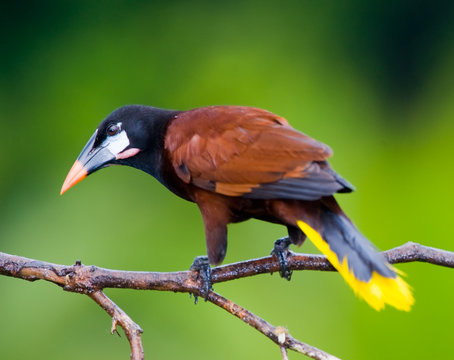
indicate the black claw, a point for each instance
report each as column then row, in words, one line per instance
column 202, row 266
column 281, row 251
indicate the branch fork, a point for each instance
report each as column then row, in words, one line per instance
column 91, row 280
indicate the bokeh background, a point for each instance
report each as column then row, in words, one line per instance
column 373, row 80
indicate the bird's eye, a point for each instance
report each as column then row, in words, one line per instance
column 112, row 130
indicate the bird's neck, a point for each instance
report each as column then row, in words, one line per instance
column 150, row 159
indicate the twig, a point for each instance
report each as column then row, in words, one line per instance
column 91, row 280
column 408, row 252
column 132, row 330
column 416, row 252
column 284, row 353
column 277, row 334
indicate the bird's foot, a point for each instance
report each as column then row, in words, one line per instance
column 282, row 252
column 202, row 266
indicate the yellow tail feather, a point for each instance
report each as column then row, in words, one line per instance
column 378, row 291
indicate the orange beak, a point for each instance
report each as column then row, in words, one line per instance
column 76, row 174
column 90, row 160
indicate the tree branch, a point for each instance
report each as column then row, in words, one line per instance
column 408, row 252
column 91, row 280
column 278, row 334
column 132, row 330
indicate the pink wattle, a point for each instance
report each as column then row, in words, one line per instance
column 127, row 153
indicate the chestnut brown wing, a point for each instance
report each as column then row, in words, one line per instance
column 242, row 151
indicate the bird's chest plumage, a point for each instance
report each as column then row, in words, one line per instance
column 171, row 181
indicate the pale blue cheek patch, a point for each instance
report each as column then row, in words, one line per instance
column 117, row 143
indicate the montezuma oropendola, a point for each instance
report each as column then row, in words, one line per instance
column 238, row 163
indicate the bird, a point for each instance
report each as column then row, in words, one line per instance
column 238, row 163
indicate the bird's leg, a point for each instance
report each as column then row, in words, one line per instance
column 202, row 266
column 281, row 251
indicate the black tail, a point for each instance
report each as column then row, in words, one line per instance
column 356, row 259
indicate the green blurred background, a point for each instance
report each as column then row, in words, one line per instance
column 372, row 80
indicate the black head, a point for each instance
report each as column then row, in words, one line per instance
column 126, row 137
